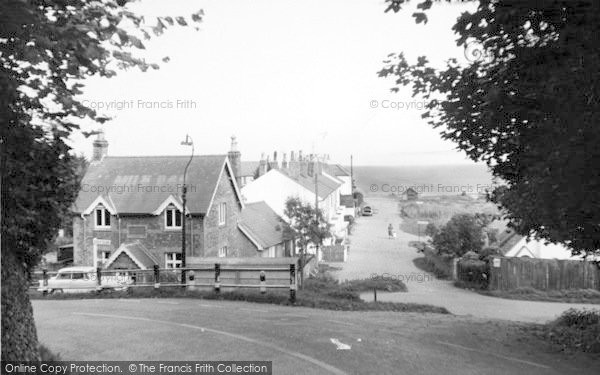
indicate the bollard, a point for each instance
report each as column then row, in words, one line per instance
column 156, row 277
column 292, row 283
column 374, row 294
column 263, row 284
column 217, row 277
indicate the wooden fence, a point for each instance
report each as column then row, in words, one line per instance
column 543, row 274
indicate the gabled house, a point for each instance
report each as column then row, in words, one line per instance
column 303, row 179
column 510, row 244
column 129, row 209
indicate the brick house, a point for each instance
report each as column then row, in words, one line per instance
column 128, row 212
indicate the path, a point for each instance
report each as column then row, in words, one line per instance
column 372, row 253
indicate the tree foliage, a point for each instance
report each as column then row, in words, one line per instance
column 528, row 105
column 463, row 233
column 47, row 50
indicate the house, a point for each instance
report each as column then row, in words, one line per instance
column 129, row 209
column 411, row 194
column 265, row 230
column 303, row 178
column 511, row 244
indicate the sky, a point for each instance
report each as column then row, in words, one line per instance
column 280, row 75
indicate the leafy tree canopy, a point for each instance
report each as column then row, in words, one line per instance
column 528, row 105
column 463, row 233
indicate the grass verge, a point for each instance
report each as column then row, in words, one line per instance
column 321, row 293
column 427, row 264
column 531, row 294
column 574, row 331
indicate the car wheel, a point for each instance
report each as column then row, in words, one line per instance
column 57, row 291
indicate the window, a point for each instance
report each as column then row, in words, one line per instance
column 222, row 213
column 104, row 255
column 223, row 252
column 172, row 260
column 172, row 218
column 77, row 276
column 102, row 218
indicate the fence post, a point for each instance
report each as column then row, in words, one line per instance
column 98, row 278
column 374, row 294
column 217, row 277
column 263, row 283
column 45, row 276
column 292, row 283
column 156, row 276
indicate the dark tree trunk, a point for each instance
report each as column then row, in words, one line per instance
column 19, row 335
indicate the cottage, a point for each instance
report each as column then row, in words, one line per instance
column 265, row 229
column 411, row 194
column 129, row 210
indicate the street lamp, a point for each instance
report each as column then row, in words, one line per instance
column 187, row 142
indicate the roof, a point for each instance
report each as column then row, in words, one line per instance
column 336, row 170
column 411, row 190
column 249, row 168
column 137, row 252
column 140, row 184
column 261, row 225
column 507, row 240
column 325, row 185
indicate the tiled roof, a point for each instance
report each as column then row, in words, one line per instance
column 261, row 224
column 140, row 184
column 249, row 168
column 325, row 185
column 137, row 252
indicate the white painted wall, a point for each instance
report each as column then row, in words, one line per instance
column 537, row 249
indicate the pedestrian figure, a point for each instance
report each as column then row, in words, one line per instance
column 390, row 231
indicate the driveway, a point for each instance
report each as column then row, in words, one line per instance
column 372, row 253
column 297, row 340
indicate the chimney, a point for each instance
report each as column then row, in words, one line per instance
column 262, row 165
column 100, row 147
column 310, row 171
column 274, row 164
column 284, row 162
column 235, row 160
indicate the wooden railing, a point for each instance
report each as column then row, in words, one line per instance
column 170, row 277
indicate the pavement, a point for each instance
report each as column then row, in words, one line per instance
column 297, row 340
column 373, row 254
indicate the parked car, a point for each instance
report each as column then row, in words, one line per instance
column 82, row 279
column 367, row 211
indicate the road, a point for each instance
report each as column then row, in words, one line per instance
column 297, row 340
column 373, row 253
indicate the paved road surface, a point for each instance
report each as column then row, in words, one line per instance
column 373, row 253
column 297, row 340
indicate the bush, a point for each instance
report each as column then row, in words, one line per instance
column 438, row 264
column 576, row 330
column 472, row 273
column 46, row 355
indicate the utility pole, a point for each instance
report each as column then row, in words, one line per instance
column 316, row 173
column 351, row 176
column 187, row 142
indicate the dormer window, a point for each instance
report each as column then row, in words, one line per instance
column 172, row 218
column 102, row 218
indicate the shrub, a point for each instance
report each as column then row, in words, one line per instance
column 46, row 355
column 472, row 273
column 576, row 330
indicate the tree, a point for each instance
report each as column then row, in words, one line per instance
column 47, row 49
column 528, row 105
column 463, row 233
column 431, row 230
column 306, row 226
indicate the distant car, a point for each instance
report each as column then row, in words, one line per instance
column 367, row 211
column 82, row 279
